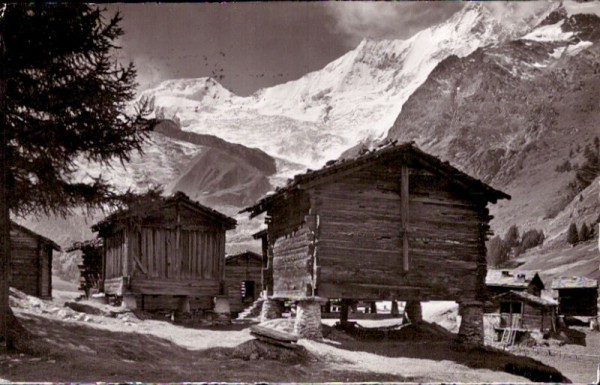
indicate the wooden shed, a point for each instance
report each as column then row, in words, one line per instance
column 243, row 279
column 31, row 261
column 523, row 311
column 392, row 224
column 503, row 281
column 165, row 251
column 577, row 296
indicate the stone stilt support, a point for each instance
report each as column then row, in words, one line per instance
column 129, row 301
column 344, row 310
column 222, row 310
column 373, row 309
column 471, row 325
column 308, row 317
column 271, row 309
column 413, row 312
column 395, row 311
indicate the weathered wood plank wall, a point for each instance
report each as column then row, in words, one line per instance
column 237, row 272
column 30, row 264
column 363, row 235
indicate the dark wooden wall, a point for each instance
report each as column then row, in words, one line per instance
column 239, row 270
column 291, row 259
column 360, row 246
column 532, row 318
column 31, row 264
column 578, row 302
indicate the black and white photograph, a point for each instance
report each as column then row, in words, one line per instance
column 300, row 192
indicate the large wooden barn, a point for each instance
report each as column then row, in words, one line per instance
column 395, row 223
column 165, row 251
column 577, row 296
column 31, row 261
column 243, row 278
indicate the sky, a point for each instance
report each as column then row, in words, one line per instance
column 248, row 46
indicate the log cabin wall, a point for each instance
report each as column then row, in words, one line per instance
column 289, row 236
column 31, row 263
column 360, row 246
column 25, row 262
column 530, row 317
column 46, row 272
column 238, row 270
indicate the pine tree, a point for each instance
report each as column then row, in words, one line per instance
column 584, row 233
column 572, row 236
column 497, row 252
column 512, row 238
column 62, row 98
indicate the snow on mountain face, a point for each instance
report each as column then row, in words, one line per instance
column 315, row 118
column 551, row 32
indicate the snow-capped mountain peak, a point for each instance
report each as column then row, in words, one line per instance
column 355, row 97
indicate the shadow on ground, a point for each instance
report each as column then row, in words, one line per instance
column 69, row 351
column 432, row 342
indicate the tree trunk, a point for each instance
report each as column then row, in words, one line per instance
column 5, row 340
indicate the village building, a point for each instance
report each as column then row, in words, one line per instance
column 503, row 281
column 31, row 261
column 243, row 279
column 518, row 312
column 392, row 224
column 577, row 296
column 167, row 254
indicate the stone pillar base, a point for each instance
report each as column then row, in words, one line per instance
column 413, row 312
column 271, row 309
column 308, row 318
column 129, row 301
column 471, row 325
column 394, row 309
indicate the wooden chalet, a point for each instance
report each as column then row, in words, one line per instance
column 243, row 279
column 577, row 296
column 523, row 311
column 392, row 224
column 31, row 261
column 503, row 281
column 165, row 251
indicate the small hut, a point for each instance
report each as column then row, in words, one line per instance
column 392, row 224
column 577, row 296
column 165, row 252
column 503, row 281
column 31, row 261
column 523, row 312
column 243, row 279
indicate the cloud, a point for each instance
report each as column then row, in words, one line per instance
column 386, row 20
column 524, row 12
column 149, row 74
